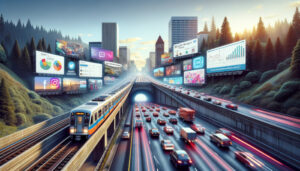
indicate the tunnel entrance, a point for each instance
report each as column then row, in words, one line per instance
column 141, row 96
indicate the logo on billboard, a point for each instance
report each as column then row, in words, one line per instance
column 45, row 65
column 54, row 83
column 71, row 65
column 57, row 65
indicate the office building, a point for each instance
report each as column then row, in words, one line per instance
column 152, row 59
column 124, row 54
column 182, row 29
column 159, row 50
column 110, row 38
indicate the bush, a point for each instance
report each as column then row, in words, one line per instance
column 292, row 85
column 57, row 110
column 225, row 89
column 284, row 64
column 245, row 84
column 294, row 111
column 40, row 117
column 267, row 75
column 274, row 106
column 235, row 89
column 21, row 118
column 291, row 102
column 33, row 95
column 253, row 77
column 37, row 101
column 286, row 90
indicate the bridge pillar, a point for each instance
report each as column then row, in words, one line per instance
column 99, row 149
column 114, row 122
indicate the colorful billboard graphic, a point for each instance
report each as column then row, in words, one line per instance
column 231, row 57
column 113, row 69
column 173, row 80
column 71, row 67
column 159, row 72
column 173, row 70
column 185, row 48
column 69, row 49
column 90, row 69
column 109, row 80
column 198, row 62
column 166, row 58
column 47, row 63
column 187, row 64
column 71, row 85
column 47, row 84
column 101, row 54
column 194, row 77
column 95, row 84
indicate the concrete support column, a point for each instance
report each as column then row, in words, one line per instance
column 105, row 138
column 114, row 122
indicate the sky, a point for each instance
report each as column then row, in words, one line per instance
column 140, row 22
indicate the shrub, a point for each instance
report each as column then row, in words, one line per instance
column 245, row 84
column 286, row 90
column 37, row 101
column 57, row 110
column 225, row 89
column 40, row 117
column 21, row 118
column 294, row 111
column 33, row 95
column 274, row 106
column 267, row 75
column 292, row 85
column 253, row 77
column 282, row 95
column 235, row 89
column 291, row 102
column 284, row 64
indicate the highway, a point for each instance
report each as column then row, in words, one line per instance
column 147, row 153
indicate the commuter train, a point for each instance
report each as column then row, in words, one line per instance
column 87, row 118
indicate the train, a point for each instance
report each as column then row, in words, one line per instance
column 87, row 118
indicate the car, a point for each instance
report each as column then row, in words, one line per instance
column 164, row 108
column 187, row 92
column 137, row 114
column 157, row 109
column 172, row 112
column 161, row 122
column 151, row 110
column 148, row 119
column 143, row 110
column 232, row 106
column 248, row 159
column 217, row 102
column 166, row 115
column 224, row 131
column 220, row 139
column 146, row 114
column 197, row 95
column 198, row 128
column 206, row 98
column 168, row 130
column 180, row 158
column 127, row 124
column 173, row 120
column 154, row 132
column 155, row 114
column 167, row 145
column 138, row 123
column 125, row 135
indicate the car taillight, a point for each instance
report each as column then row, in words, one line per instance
column 190, row 161
column 222, row 143
column 179, row 162
column 230, row 143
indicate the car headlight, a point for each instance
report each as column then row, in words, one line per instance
column 72, row 130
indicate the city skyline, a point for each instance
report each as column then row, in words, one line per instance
column 139, row 32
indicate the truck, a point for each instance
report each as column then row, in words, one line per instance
column 187, row 134
column 186, row 114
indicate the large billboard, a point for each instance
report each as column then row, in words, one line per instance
column 101, row 54
column 194, row 77
column 47, row 84
column 113, row 69
column 95, row 84
column 69, row 49
column 173, row 70
column 71, row 67
column 73, row 85
column 173, row 80
column 47, row 63
column 90, row 69
column 185, row 48
column 166, row 58
column 231, row 57
column 187, row 64
column 109, row 80
column 198, row 62
column 159, row 72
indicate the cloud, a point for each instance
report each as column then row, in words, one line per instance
column 90, row 35
column 258, row 7
column 255, row 8
column 150, row 42
column 295, row 4
column 199, row 8
column 271, row 16
column 130, row 40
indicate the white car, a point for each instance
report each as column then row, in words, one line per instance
column 125, row 135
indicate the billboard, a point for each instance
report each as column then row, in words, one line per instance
column 71, row 85
column 173, row 80
column 101, row 54
column 109, row 80
column 185, row 48
column 173, row 70
column 198, row 62
column 231, row 57
column 71, row 67
column 95, row 84
column 112, row 68
column 47, row 63
column 187, row 64
column 159, row 72
column 69, row 49
column 194, row 77
column 47, row 84
column 166, row 58
column 90, row 69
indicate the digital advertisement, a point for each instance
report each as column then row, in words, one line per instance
column 231, row 57
column 173, row 70
column 90, row 69
column 198, row 62
column 95, row 84
column 69, row 49
column 113, row 69
column 47, row 63
column 166, row 58
column 173, row 80
column 47, row 84
column 187, row 64
column 101, row 54
column 194, row 77
column 159, row 72
column 74, row 85
column 71, row 67
column 109, row 79
column 185, row 48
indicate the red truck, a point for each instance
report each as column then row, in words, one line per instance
column 187, row 114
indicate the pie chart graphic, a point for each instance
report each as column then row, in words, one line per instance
column 45, row 65
column 57, row 65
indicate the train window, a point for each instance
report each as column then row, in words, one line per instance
column 92, row 120
column 72, row 120
column 99, row 113
column 86, row 120
column 96, row 116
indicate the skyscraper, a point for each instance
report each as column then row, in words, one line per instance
column 182, row 29
column 152, row 59
column 110, row 38
column 159, row 50
column 124, row 53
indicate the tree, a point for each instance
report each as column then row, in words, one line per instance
column 226, row 36
column 3, row 57
column 205, row 29
column 217, row 34
column 249, row 53
column 40, row 46
column 290, row 41
column 268, row 60
column 257, row 56
column 44, row 44
column 236, row 37
column 296, row 23
column 213, row 29
column 203, row 46
column 6, row 105
column 295, row 62
column 1, row 24
column 261, row 33
column 16, row 52
column 26, row 66
column 279, row 51
column 49, row 49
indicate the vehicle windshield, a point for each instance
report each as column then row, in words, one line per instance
column 154, row 130
column 182, row 156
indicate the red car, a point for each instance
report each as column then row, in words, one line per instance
column 248, row 159
column 168, row 130
column 143, row 110
column 172, row 112
column 151, row 110
column 198, row 128
column 173, row 120
column 166, row 115
column 224, row 131
column 232, row 106
column 161, row 122
column 164, row 108
column 157, row 109
column 155, row 114
column 148, row 119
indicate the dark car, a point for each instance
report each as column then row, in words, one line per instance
column 154, row 132
column 148, row 119
column 161, row 122
column 206, row 98
column 180, row 158
column 173, row 120
column 232, row 106
column 146, row 114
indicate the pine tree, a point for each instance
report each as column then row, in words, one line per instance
column 44, row 44
column 249, row 53
column 1, row 24
column 296, row 23
column 257, row 56
column 213, row 29
column 49, row 49
column 261, row 33
column 269, row 59
column 236, row 37
column 290, row 41
column 16, row 52
column 6, row 105
column 226, row 36
column 295, row 63
column 40, row 46
column 4, row 47
column 279, row 51
column 203, row 47
column 26, row 60
column 205, row 29
column 3, row 57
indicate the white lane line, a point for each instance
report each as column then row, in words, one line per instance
column 156, row 159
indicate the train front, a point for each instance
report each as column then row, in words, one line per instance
column 79, row 124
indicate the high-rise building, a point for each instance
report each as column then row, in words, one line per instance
column 152, row 59
column 182, row 29
column 159, row 50
column 124, row 53
column 110, row 38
